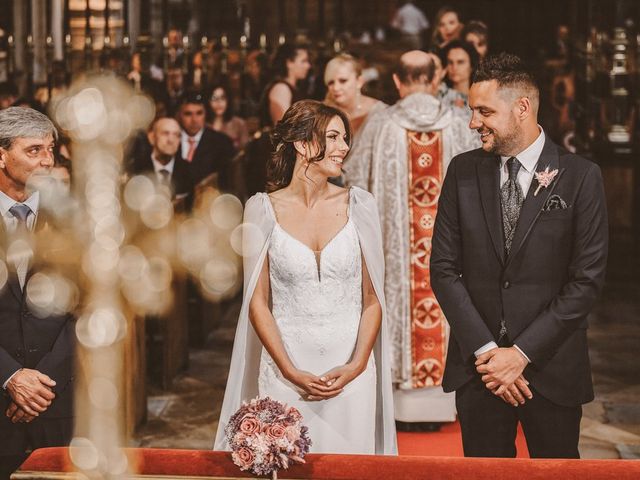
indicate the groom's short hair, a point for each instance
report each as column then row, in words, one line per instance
column 511, row 74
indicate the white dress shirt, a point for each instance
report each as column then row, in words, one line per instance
column 185, row 142
column 11, row 223
column 528, row 158
column 157, row 166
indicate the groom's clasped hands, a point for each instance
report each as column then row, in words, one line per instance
column 501, row 370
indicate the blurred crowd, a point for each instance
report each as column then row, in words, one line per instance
column 215, row 107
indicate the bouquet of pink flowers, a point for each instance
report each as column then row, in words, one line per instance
column 266, row 435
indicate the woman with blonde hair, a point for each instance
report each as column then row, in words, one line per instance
column 343, row 78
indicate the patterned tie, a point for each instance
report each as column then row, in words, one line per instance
column 192, row 149
column 511, row 198
column 20, row 211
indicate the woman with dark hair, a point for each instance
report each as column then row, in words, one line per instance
column 461, row 61
column 252, row 83
column 476, row 33
column 312, row 329
column 290, row 65
column 223, row 119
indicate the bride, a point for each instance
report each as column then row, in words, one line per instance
column 312, row 331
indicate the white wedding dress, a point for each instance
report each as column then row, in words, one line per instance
column 317, row 305
column 318, row 312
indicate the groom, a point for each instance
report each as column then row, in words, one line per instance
column 518, row 259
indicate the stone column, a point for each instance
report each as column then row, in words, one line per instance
column 39, row 33
column 302, row 15
column 156, row 26
column 57, row 29
column 20, row 45
column 321, row 21
column 133, row 22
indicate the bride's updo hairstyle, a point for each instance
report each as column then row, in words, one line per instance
column 305, row 121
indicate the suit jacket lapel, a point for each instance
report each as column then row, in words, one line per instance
column 489, row 180
column 533, row 203
column 12, row 278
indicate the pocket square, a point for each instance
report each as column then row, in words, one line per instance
column 554, row 202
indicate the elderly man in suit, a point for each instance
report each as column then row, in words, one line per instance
column 162, row 162
column 206, row 150
column 518, row 260
column 36, row 351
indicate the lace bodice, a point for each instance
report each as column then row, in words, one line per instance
column 311, row 284
column 316, row 297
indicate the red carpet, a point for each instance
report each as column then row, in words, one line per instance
column 445, row 443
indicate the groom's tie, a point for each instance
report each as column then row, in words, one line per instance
column 511, row 197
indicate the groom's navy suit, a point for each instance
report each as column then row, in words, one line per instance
column 544, row 289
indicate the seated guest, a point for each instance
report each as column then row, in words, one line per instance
column 206, row 150
column 461, row 61
column 223, row 118
column 343, row 77
column 252, row 83
column 37, row 349
column 477, row 34
column 174, row 89
column 447, row 27
column 164, row 138
column 291, row 66
column 61, row 173
column 8, row 94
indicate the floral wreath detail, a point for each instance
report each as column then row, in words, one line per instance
column 544, row 178
column 266, row 435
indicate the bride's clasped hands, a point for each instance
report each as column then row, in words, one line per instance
column 326, row 386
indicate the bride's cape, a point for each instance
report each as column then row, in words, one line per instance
column 242, row 384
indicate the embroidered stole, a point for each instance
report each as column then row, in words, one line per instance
column 428, row 327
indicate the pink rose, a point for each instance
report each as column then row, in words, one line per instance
column 275, row 431
column 294, row 413
column 243, row 458
column 249, row 425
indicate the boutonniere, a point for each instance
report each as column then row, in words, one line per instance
column 544, row 179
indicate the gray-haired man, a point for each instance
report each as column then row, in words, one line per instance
column 36, row 354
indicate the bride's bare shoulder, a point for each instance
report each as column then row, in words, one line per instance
column 279, row 195
column 281, row 201
column 338, row 193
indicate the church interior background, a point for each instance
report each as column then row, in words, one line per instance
column 174, row 362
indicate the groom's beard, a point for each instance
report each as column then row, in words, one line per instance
column 506, row 143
